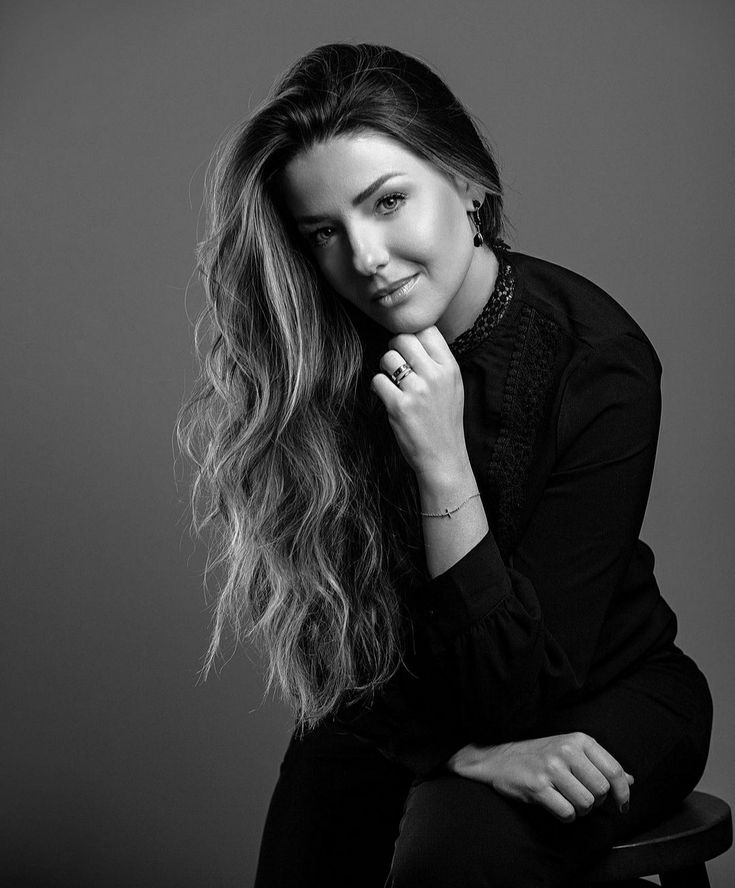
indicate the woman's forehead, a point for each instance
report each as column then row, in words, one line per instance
column 344, row 167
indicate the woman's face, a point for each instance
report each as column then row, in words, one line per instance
column 374, row 216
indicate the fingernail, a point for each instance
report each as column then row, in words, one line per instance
column 624, row 807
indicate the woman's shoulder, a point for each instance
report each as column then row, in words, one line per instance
column 583, row 310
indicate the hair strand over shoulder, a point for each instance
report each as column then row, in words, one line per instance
column 311, row 510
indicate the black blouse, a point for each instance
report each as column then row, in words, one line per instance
column 559, row 599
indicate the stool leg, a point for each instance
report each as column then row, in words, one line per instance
column 687, row 877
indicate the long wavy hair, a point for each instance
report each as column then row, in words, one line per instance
column 309, row 505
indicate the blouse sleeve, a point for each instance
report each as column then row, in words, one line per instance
column 509, row 642
column 500, row 644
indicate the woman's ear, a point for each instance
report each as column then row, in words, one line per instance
column 468, row 193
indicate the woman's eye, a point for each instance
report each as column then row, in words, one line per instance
column 391, row 202
column 319, row 237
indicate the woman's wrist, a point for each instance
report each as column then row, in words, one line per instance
column 457, row 762
column 448, row 538
column 464, row 762
column 446, row 487
column 438, row 477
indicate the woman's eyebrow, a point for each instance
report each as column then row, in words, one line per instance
column 363, row 195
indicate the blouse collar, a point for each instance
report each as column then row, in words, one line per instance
column 493, row 310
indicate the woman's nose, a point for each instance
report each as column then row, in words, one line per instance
column 369, row 253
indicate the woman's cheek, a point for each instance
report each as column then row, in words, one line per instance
column 334, row 266
column 416, row 241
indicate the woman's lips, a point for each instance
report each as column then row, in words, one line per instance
column 398, row 295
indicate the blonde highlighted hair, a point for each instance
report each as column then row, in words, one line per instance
column 311, row 509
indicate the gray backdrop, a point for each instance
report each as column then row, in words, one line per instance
column 613, row 124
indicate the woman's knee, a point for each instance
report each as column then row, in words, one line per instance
column 461, row 832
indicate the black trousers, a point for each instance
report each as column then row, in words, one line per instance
column 343, row 815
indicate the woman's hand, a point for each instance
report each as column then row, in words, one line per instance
column 568, row 774
column 426, row 411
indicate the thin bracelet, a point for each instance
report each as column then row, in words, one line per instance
column 447, row 513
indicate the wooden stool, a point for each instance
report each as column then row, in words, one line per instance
column 675, row 850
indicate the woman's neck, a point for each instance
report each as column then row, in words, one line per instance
column 472, row 296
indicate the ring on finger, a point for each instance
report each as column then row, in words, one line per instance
column 400, row 373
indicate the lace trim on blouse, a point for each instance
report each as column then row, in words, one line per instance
column 493, row 310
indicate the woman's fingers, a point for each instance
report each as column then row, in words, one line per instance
column 591, row 778
column 410, row 348
column 568, row 774
column 613, row 772
column 585, row 774
column 554, row 802
column 422, row 350
column 574, row 791
column 435, row 344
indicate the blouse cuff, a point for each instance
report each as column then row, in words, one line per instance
column 426, row 761
column 468, row 590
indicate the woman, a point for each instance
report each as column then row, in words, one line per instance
column 426, row 459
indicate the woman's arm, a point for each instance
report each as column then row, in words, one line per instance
column 568, row 774
column 447, row 539
column 503, row 643
column 497, row 645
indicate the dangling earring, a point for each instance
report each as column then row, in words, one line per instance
column 478, row 240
